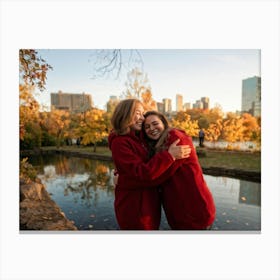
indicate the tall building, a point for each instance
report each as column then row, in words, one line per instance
column 187, row 106
column 72, row 102
column 251, row 96
column 167, row 108
column 160, row 107
column 198, row 104
column 205, row 102
column 179, row 102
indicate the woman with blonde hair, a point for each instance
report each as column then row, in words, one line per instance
column 137, row 207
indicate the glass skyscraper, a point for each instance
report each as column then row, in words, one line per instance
column 251, row 96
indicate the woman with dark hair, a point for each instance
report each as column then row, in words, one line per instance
column 137, row 207
column 186, row 198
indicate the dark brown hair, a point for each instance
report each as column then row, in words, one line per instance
column 122, row 117
column 160, row 144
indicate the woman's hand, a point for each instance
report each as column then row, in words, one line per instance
column 115, row 179
column 179, row 152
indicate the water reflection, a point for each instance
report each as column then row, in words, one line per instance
column 249, row 193
column 83, row 188
column 237, row 203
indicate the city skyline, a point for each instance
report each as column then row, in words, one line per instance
column 217, row 74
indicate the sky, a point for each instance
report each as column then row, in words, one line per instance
column 213, row 73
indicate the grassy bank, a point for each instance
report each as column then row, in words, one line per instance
column 232, row 160
column 249, row 161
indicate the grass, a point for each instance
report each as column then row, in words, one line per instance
column 232, row 160
column 99, row 150
column 249, row 161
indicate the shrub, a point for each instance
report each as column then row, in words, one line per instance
column 27, row 170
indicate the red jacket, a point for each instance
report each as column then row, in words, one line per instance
column 137, row 207
column 186, row 198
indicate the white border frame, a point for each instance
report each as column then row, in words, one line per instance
column 153, row 24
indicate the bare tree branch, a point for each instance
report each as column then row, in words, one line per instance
column 113, row 61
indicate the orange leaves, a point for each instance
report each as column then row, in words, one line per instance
column 241, row 128
column 28, row 110
column 252, row 129
column 56, row 123
column 148, row 101
column 232, row 128
column 183, row 121
column 137, row 84
column 32, row 72
column 33, row 69
column 214, row 131
column 93, row 127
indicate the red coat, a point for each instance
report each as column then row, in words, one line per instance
column 137, row 207
column 186, row 198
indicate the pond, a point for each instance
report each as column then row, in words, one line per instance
column 83, row 189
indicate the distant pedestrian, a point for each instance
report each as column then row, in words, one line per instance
column 201, row 135
column 78, row 141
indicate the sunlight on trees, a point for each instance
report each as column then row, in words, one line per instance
column 137, row 84
column 92, row 127
column 232, row 128
column 213, row 132
column 56, row 123
column 28, row 111
column 32, row 68
column 185, row 123
column 148, row 101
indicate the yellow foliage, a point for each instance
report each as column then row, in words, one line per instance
column 213, row 132
column 185, row 123
column 56, row 122
column 28, row 109
column 233, row 128
column 148, row 101
column 252, row 129
column 93, row 127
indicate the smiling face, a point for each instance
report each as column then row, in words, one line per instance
column 138, row 118
column 154, row 127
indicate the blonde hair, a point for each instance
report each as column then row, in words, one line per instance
column 122, row 117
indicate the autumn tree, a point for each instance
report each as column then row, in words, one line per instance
column 214, row 119
column 93, row 127
column 28, row 110
column 213, row 132
column 32, row 73
column 73, row 131
column 148, row 101
column 57, row 123
column 256, row 136
column 32, row 68
column 215, row 114
column 252, row 128
column 137, row 83
column 233, row 128
column 183, row 121
column 195, row 113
